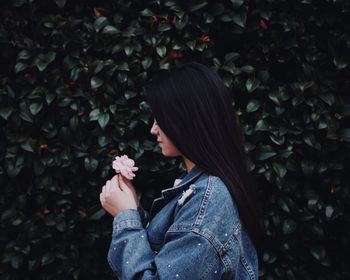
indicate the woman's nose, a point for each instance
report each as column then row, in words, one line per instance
column 153, row 128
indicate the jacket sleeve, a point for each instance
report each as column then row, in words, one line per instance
column 185, row 255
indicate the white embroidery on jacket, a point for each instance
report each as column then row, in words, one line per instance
column 186, row 195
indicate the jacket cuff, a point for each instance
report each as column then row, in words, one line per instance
column 129, row 218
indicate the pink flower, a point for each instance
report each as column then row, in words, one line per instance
column 125, row 166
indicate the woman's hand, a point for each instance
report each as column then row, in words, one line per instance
column 117, row 195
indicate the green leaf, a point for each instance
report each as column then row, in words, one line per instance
column 309, row 139
column 274, row 97
column 17, row 261
column 20, row 66
column 283, row 204
column 47, row 258
column 231, row 57
column 90, row 164
column 103, row 120
column 252, row 84
column 17, row 221
column 328, row 98
column 28, row 146
column 97, row 215
column 247, row 69
column 191, row 44
column 279, row 169
column 253, row 105
column 237, row 3
column 43, row 60
column 130, row 94
column 117, row 48
column 345, row 134
column 197, row 6
column 100, row 23
column 339, row 63
column 124, row 66
column 24, row 54
column 161, row 51
column 148, row 145
column 122, row 77
column 96, row 82
column 33, row 264
column 279, row 140
column 344, row 109
column 18, row 3
column 239, row 20
column 109, row 29
column 50, row 96
column 60, row 3
column 74, row 122
column 226, row 18
column 35, row 108
column 318, row 252
column 182, row 22
column 164, row 64
column 128, row 50
column 163, row 27
column 94, row 115
column 103, row 141
column 302, row 86
column 5, row 112
column 147, row 13
column 262, row 125
column 14, row 168
column 269, row 257
column 129, row 31
column 146, row 62
column 289, row 226
column 265, row 155
column 307, row 167
column 97, row 65
column 144, row 106
column 134, row 143
column 8, row 214
column 49, row 24
column 113, row 108
column 329, row 211
column 26, row 116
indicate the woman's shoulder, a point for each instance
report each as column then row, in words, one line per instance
column 207, row 203
column 207, row 209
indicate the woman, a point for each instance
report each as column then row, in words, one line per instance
column 207, row 225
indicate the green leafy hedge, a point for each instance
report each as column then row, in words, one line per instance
column 71, row 99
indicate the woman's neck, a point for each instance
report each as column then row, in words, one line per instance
column 189, row 164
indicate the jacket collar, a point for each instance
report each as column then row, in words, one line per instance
column 186, row 179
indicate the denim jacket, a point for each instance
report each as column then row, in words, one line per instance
column 193, row 232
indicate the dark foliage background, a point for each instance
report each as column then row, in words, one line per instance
column 71, row 99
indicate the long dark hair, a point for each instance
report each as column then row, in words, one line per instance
column 194, row 109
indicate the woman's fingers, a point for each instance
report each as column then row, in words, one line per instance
column 116, row 196
column 102, row 199
column 115, row 184
column 108, row 183
column 127, row 188
column 127, row 181
column 123, row 186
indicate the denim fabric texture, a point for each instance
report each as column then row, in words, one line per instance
column 193, row 231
